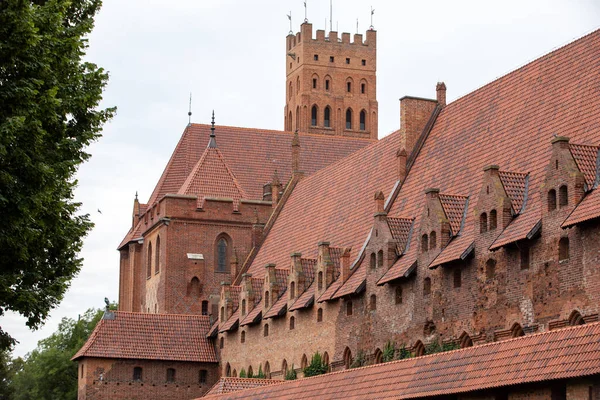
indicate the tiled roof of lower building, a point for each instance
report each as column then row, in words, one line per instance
column 588, row 208
column 524, row 226
column 515, row 186
column 231, row 384
column 458, row 249
column 585, row 157
column 151, row 337
column 560, row 354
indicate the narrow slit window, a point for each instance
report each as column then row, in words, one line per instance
column 348, row 117
column 363, row 120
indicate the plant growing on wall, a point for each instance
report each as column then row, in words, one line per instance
column 402, row 353
column 389, row 351
column 360, row 360
column 291, row 375
column 250, row 373
column 317, row 366
column 243, row 373
column 260, row 374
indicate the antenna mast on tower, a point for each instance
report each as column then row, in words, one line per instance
column 190, row 111
column 305, row 13
column 330, row 15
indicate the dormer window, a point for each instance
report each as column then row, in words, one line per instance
column 563, row 196
column 424, row 243
column 551, row 200
column 493, row 220
column 483, row 223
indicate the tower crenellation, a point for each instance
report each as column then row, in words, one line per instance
column 331, row 83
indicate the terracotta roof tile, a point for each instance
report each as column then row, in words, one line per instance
column 305, row 300
column 212, row 177
column 257, row 288
column 585, row 157
column 329, row 293
column 524, row 226
column 231, row 323
column 151, row 337
column 235, row 291
column 588, row 208
column 400, row 228
column 458, row 249
column 253, row 316
column 454, row 207
column 403, row 267
column 278, row 308
column 515, row 186
column 558, row 354
column 354, row 284
column 309, row 265
column 231, row 384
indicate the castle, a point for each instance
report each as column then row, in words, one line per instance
column 474, row 226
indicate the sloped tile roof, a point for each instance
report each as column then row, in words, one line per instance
column 542, row 357
column 454, row 207
column 231, row 322
column 257, row 288
column 253, row 155
column 354, row 284
column 151, row 337
column 211, row 176
column 235, row 295
column 458, row 249
column 231, row 384
column 588, row 208
column 585, row 157
column 278, row 308
column 253, row 316
column 402, row 267
column 309, row 265
column 514, row 185
column 522, row 227
column 400, row 228
column 305, row 299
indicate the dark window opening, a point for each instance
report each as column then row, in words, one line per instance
column 373, row 303
column 267, row 299
column 292, row 323
column 244, row 307
column 222, row 314
column 149, row 262
column 221, row 343
column 157, row 256
column 349, row 307
column 243, row 337
column 292, row 290
column 380, row 259
column 347, row 61
column 320, row 315
column 348, row 87
column 320, row 280
column 398, row 295
column 551, row 200
column 331, row 59
column 347, row 358
column 204, row 307
column 313, row 116
column 327, row 84
column 137, row 374
column 373, row 262
column 483, row 223
column 266, row 330
column 490, row 269
column 316, row 57
column 424, row 243
column 314, row 83
column 363, row 88
column 327, row 117
column 363, row 120
column 170, row 374
column 432, row 240
column 222, row 255
column 348, row 117
column 202, row 376
column 576, row 319
column 563, row 196
column 563, row 249
column 427, row 286
column 493, row 220
column 363, row 62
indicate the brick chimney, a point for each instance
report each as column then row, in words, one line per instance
column 440, row 90
column 379, row 202
column 414, row 114
column 402, row 157
column 296, row 153
column 345, row 265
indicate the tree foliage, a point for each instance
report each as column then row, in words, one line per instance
column 48, row 372
column 49, row 114
column 243, row 373
column 291, row 374
column 317, row 366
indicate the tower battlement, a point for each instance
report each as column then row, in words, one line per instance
column 306, row 36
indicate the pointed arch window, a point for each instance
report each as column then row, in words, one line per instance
column 157, row 256
column 149, row 262
column 349, row 118
column 320, row 315
column 243, row 307
column 320, row 280
column 380, row 259
column 222, row 254
column 493, row 220
column 363, row 120
column 563, row 196
column 292, row 323
column 293, row 290
column 424, row 243
column 313, row 116
column 347, row 358
column 327, row 117
column 432, row 240
column 373, row 261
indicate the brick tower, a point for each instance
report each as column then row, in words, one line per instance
column 331, row 84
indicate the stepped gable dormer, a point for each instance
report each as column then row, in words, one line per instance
column 211, row 177
column 586, row 158
column 564, row 184
column 324, row 269
column 588, row 161
column 494, row 208
column 382, row 249
column 253, row 288
column 276, row 286
column 229, row 302
column 305, row 294
column 435, row 229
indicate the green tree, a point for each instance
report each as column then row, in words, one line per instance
column 291, row 375
column 260, row 374
column 388, row 351
column 317, row 366
column 48, row 372
column 49, row 114
column 243, row 373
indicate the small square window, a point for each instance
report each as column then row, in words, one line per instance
column 331, row 59
column 347, row 61
column 364, row 62
column 316, row 57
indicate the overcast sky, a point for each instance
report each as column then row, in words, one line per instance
column 231, row 55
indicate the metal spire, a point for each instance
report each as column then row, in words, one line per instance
column 305, row 12
column 372, row 12
column 190, row 111
column 213, row 140
column 290, row 18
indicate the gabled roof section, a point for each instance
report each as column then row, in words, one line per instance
column 459, row 248
column 400, row 228
column 585, row 157
column 454, row 207
column 229, row 384
column 588, row 208
column 235, row 291
column 515, row 186
column 524, row 226
column 231, row 323
column 151, row 337
column 212, row 177
column 403, row 267
column 280, row 304
column 543, row 357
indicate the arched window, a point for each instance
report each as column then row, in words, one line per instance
column 551, row 200
column 267, row 370
column 297, row 117
column 327, row 84
column 266, row 330
column 399, row 295
column 377, row 357
column 289, row 122
column 424, row 243
column 465, row 340
column 427, row 286
column 457, row 277
column 234, row 373
column 326, row 361
column 419, row 349
column 250, row 372
column 320, row 280
column 170, row 374
column 349, row 307
column 327, row 117
column 149, row 261
column 349, row 86
column 202, row 376
column 290, row 91
column 303, row 362
column 292, row 323
column 222, row 314
column 380, row 259
column 284, row 368
column 493, row 220
column 227, row 370
column 432, row 240
column 320, row 315
column 157, row 256
column 483, row 223
column 563, row 196
column 576, row 319
column 293, row 290
column 373, row 303
column 297, row 85
column 243, row 337
column 373, row 261
column 137, row 373
column 313, row 116
column 221, row 343
column 363, row 120
column 204, row 307
column 243, row 307
column 194, row 289
column 490, row 269
column 349, row 118
column 517, row 331
column 267, row 299
column 347, row 358
column 222, row 254
column 563, row 249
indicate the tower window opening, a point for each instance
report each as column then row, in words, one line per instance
column 316, row 57
column 348, row 116
column 373, row 261
column 331, row 58
column 349, row 308
column 363, row 88
column 314, row 83
column 327, row 117
column 320, row 315
column 292, row 323
column 313, row 116
column 204, row 307
column 349, row 87
column 363, row 120
column 363, row 62
column 493, row 220
column 551, row 200
column 563, row 196
column 347, row 61
column 483, row 221
column 327, row 84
